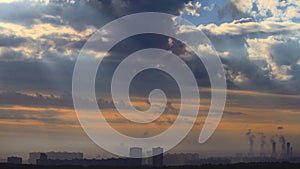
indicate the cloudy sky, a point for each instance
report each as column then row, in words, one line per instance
column 258, row 42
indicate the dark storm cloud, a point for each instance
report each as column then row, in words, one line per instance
column 276, row 70
column 286, row 53
column 261, row 73
column 119, row 8
column 238, row 60
column 289, row 48
column 11, row 41
column 37, row 76
column 259, row 79
column 77, row 16
column 54, row 71
column 8, row 54
column 83, row 13
column 140, row 85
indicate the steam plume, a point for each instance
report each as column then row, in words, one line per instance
column 251, row 137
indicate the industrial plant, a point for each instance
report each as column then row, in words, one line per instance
column 278, row 149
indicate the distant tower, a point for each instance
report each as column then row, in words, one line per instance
column 157, row 159
column 274, row 154
column 136, row 152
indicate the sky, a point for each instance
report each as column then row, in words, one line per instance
column 258, row 42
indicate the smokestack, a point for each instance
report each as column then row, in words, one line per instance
column 251, row 143
column 288, row 149
column 283, row 142
column 274, row 154
column 262, row 145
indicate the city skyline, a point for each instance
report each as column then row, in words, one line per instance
column 258, row 42
column 279, row 148
column 138, row 157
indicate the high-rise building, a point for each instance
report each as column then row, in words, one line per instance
column 157, row 159
column 136, row 152
column 136, row 155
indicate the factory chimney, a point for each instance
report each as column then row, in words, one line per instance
column 288, row 149
column 283, row 143
column 262, row 145
column 274, row 154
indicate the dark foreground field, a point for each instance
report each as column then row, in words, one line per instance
column 231, row 166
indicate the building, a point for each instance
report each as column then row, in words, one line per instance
column 64, row 155
column 136, row 152
column 113, row 162
column 157, row 159
column 42, row 160
column 148, row 161
column 180, row 159
column 120, row 162
column 14, row 160
column 33, row 156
